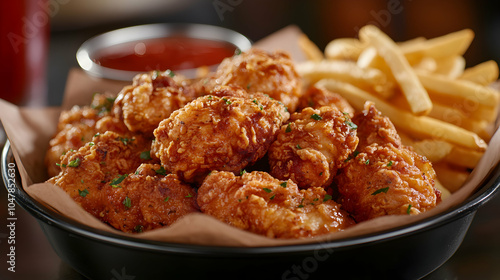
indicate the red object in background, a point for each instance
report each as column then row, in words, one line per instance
column 24, row 31
column 171, row 53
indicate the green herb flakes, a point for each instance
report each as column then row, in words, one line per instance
column 327, row 197
column 408, row 210
column 74, row 163
column 146, row 155
column 161, row 171
column 83, row 193
column 283, row 184
column 127, row 202
column 114, row 183
column 267, row 190
column 382, row 190
column 288, row 128
column 316, row 117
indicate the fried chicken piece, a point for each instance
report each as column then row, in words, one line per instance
column 373, row 127
column 84, row 172
column 312, row 146
column 384, row 177
column 76, row 127
column 256, row 70
column 259, row 203
column 146, row 200
column 101, row 177
column 217, row 133
column 151, row 98
column 317, row 97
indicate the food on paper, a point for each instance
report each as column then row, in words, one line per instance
column 275, row 148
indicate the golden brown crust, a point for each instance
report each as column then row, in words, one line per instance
column 259, row 203
column 151, row 98
column 316, row 97
column 255, row 71
column 384, row 177
column 100, row 176
column 312, row 147
column 217, row 133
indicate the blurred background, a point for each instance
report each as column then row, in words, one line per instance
column 74, row 21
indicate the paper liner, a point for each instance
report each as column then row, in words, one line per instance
column 29, row 131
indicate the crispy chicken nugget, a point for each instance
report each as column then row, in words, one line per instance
column 86, row 171
column 256, row 70
column 384, row 177
column 217, row 133
column 313, row 146
column 317, row 97
column 146, row 200
column 151, row 98
column 259, row 203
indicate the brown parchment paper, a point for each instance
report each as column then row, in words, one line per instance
column 30, row 129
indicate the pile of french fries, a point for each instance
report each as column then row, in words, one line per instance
column 445, row 111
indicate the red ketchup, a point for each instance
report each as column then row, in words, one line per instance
column 174, row 53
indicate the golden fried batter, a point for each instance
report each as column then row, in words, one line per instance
column 373, row 127
column 317, row 97
column 75, row 128
column 259, row 71
column 101, row 177
column 151, row 98
column 146, row 200
column 312, row 146
column 383, row 177
column 259, row 203
column 217, row 133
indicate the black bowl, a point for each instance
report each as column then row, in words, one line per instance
column 408, row 252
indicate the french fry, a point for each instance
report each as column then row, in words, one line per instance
column 445, row 193
column 451, row 66
column 344, row 48
column 349, row 71
column 484, row 73
column 452, row 44
column 415, row 126
column 451, row 177
column 311, row 50
column 433, row 150
column 453, row 90
column 415, row 93
column 463, row 157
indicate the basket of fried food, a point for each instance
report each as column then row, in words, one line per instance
column 369, row 128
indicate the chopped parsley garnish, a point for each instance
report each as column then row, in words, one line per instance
column 189, row 195
column 367, row 161
column 301, row 205
column 138, row 228
column 349, row 122
column 226, row 100
column 243, row 172
column 327, row 197
column 114, row 183
column 125, row 141
column 83, row 193
column 382, row 190
column 298, row 147
column 408, row 210
column 161, row 171
column 146, row 155
column 389, row 164
column 284, row 184
column 91, row 144
column 316, row 117
column 63, row 165
column 249, row 85
column 127, row 202
column 237, row 51
column 288, row 128
column 267, row 190
column 272, row 197
column 74, row 163
column 166, row 198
